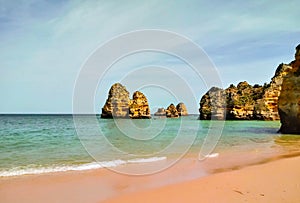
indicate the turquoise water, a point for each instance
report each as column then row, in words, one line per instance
column 45, row 143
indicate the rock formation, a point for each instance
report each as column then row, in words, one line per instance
column 160, row 112
column 213, row 104
column 266, row 108
column 117, row 103
column 182, row 110
column 172, row 112
column 244, row 101
column 289, row 99
column 139, row 107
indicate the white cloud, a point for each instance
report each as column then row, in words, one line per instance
column 48, row 42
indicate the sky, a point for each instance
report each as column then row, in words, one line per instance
column 45, row 43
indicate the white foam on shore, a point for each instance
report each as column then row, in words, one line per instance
column 147, row 160
column 213, row 155
column 94, row 165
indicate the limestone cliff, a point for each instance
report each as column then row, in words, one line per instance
column 241, row 100
column 244, row 101
column 160, row 112
column 289, row 99
column 182, row 110
column 172, row 112
column 266, row 108
column 139, row 107
column 213, row 104
column 117, row 103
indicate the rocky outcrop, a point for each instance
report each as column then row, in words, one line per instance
column 289, row 99
column 266, row 108
column 139, row 107
column 244, row 101
column 213, row 104
column 172, row 112
column 182, row 110
column 117, row 103
column 240, row 101
column 160, row 112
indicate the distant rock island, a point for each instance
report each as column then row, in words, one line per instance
column 172, row 111
column 289, row 99
column 160, row 112
column 139, row 107
column 182, row 110
column 119, row 105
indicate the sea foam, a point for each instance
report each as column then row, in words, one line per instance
column 88, row 166
column 213, row 155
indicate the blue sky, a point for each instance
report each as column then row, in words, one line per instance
column 43, row 45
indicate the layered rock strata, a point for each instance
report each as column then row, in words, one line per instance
column 244, row 101
column 172, row 112
column 213, row 104
column 182, row 110
column 118, row 104
column 289, row 99
column 139, row 107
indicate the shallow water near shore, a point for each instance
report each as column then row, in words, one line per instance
column 34, row 144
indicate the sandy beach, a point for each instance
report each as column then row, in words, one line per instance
column 149, row 101
column 271, row 182
column 275, row 181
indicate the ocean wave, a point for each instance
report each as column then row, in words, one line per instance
column 17, row 171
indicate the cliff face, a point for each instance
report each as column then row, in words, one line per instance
column 241, row 100
column 182, row 110
column 139, row 107
column 266, row 108
column 213, row 104
column 244, row 101
column 118, row 104
column 289, row 99
column 172, row 112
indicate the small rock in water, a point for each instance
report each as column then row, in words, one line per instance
column 172, row 112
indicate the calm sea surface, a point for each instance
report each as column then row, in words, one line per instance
column 32, row 144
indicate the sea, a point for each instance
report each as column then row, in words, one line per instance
column 37, row 144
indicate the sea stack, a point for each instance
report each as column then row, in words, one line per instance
column 117, row 103
column 160, row 112
column 182, row 110
column 289, row 99
column 139, row 107
column 172, row 112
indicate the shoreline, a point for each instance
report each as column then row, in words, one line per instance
column 274, row 181
column 96, row 185
column 210, row 168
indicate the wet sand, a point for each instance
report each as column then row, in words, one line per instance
column 275, row 181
